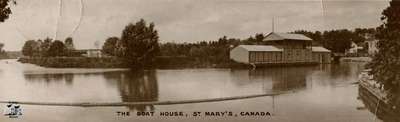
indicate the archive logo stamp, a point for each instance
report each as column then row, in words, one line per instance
column 13, row 110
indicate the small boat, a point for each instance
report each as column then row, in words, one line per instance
column 376, row 99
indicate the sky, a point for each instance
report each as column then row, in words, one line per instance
column 91, row 21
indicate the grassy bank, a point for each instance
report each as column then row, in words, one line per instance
column 11, row 55
column 161, row 63
column 74, row 62
column 355, row 59
column 112, row 62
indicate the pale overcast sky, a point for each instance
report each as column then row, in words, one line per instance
column 88, row 21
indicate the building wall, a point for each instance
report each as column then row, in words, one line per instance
column 265, row 57
column 296, row 51
column 239, row 54
column 321, row 57
column 297, row 55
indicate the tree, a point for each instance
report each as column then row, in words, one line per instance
column 140, row 44
column 1, row 46
column 69, row 43
column 45, row 46
column 3, row 53
column 338, row 41
column 57, row 48
column 259, row 37
column 386, row 63
column 30, row 48
column 69, row 47
column 110, row 46
column 5, row 10
column 316, row 36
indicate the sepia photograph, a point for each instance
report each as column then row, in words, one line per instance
column 200, row 60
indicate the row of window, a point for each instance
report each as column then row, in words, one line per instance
column 265, row 56
column 277, row 56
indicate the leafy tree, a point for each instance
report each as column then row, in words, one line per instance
column 1, row 46
column 45, row 46
column 69, row 47
column 259, row 37
column 3, row 53
column 69, row 43
column 338, row 40
column 140, row 42
column 386, row 63
column 110, row 46
column 5, row 10
column 30, row 48
column 316, row 36
column 57, row 48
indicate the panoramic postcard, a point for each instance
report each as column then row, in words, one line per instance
column 200, row 60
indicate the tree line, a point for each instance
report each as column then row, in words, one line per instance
column 338, row 41
column 139, row 45
column 49, row 48
column 217, row 51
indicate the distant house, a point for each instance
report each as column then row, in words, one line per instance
column 354, row 49
column 281, row 48
column 89, row 52
column 372, row 46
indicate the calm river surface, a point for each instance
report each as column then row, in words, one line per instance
column 323, row 93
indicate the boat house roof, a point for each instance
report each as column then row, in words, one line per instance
column 265, row 48
column 273, row 36
column 319, row 49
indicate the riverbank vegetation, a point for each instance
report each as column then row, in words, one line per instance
column 74, row 62
column 385, row 64
column 49, row 48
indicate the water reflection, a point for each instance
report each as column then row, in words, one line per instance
column 132, row 86
column 49, row 78
column 344, row 70
column 284, row 79
column 137, row 86
column 275, row 78
column 326, row 93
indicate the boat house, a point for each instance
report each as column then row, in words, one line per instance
column 256, row 54
column 281, row 48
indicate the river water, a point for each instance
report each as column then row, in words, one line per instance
column 323, row 93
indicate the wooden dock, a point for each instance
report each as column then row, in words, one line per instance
column 378, row 103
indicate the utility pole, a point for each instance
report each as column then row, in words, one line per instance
column 273, row 24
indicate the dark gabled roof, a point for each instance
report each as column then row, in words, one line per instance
column 273, row 36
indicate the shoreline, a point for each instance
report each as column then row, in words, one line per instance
column 114, row 63
column 356, row 59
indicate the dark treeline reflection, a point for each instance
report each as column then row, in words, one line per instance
column 275, row 78
column 49, row 78
column 138, row 86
